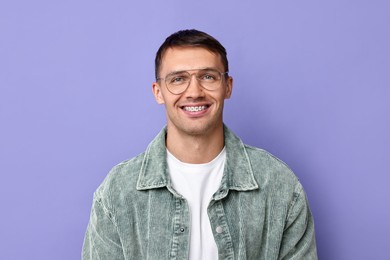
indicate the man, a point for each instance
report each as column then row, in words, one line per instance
column 198, row 192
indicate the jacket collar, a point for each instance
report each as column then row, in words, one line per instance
column 238, row 174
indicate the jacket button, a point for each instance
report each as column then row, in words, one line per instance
column 219, row 229
column 182, row 230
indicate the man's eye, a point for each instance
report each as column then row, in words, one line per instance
column 208, row 77
column 177, row 79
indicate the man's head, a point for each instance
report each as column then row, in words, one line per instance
column 191, row 38
column 192, row 82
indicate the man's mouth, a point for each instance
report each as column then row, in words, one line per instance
column 194, row 108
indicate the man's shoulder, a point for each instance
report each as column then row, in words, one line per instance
column 127, row 166
column 122, row 176
column 264, row 156
column 265, row 167
column 268, row 167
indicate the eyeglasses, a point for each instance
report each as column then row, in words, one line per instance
column 177, row 82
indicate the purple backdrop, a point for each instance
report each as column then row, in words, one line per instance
column 311, row 86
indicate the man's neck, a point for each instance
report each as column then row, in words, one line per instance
column 195, row 148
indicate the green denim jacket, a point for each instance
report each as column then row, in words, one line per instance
column 260, row 210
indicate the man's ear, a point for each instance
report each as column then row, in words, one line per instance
column 229, row 87
column 156, row 88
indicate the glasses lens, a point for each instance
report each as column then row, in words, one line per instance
column 177, row 82
column 209, row 79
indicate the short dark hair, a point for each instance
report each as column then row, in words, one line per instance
column 191, row 38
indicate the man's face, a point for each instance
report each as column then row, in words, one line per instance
column 196, row 111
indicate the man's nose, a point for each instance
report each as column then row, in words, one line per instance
column 194, row 88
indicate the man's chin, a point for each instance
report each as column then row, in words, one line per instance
column 199, row 129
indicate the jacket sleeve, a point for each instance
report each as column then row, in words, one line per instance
column 101, row 239
column 298, row 240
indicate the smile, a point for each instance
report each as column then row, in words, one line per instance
column 195, row 109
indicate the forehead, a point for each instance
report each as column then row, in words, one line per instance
column 186, row 58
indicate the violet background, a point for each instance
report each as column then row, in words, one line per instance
column 311, row 85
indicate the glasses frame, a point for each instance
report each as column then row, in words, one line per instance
column 223, row 77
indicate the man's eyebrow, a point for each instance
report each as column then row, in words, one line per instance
column 180, row 71
column 176, row 72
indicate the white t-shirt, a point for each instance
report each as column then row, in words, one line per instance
column 197, row 183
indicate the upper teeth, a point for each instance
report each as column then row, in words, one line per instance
column 195, row 109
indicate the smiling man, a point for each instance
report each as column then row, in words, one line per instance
column 198, row 192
